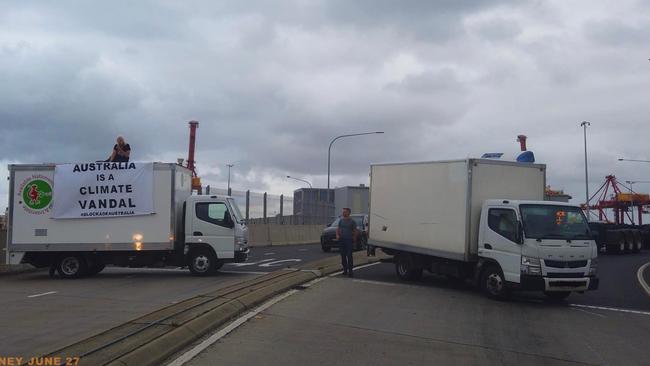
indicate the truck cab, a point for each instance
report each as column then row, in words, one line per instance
column 535, row 245
column 215, row 232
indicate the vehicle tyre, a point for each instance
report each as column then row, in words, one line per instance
column 646, row 239
column 493, row 283
column 621, row 244
column 406, row 269
column 360, row 245
column 72, row 266
column 629, row 241
column 201, row 262
column 638, row 241
column 326, row 249
column 557, row 295
column 616, row 243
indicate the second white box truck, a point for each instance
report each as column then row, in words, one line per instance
column 481, row 219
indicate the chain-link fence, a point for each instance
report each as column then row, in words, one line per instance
column 262, row 207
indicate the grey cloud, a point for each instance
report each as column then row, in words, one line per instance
column 497, row 30
column 273, row 83
column 617, row 33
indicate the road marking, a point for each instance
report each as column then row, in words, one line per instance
column 589, row 312
column 611, row 309
column 251, row 263
column 43, row 294
column 245, row 272
column 187, row 356
column 355, row 268
column 270, row 253
column 639, row 276
column 278, row 263
column 378, row 283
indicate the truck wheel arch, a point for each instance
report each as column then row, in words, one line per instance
column 212, row 259
column 482, row 264
column 197, row 246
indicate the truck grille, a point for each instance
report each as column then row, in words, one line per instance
column 567, row 283
column 565, row 264
column 565, row 275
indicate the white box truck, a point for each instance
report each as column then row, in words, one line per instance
column 481, row 219
column 77, row 218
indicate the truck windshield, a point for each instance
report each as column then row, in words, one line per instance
column 235, row 210
column 554, row 222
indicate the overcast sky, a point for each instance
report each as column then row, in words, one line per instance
column 273, row 82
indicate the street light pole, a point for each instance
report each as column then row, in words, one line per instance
column 302, row 180
column 329, row 152
column 584, row 125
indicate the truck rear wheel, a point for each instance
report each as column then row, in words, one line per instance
column 493, row 283
column 406, row 269
column 72, row 266
column 202, row 262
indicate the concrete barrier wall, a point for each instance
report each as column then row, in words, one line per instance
column 3, row 246
column 272, row 234
column 259, row 235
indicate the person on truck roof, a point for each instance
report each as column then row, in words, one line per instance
column 121, row 151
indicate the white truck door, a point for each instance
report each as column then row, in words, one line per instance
column 213, row 225
column 499, row 241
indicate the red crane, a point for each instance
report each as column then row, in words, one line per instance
column 617, row 201
column 191, row 164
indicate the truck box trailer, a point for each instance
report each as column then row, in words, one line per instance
column 483, row 219
column 77, row 218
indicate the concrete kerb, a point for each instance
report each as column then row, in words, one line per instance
column 240, row 298
column 16, row 269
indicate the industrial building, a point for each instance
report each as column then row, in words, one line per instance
column 314, row 205
column 354, row 197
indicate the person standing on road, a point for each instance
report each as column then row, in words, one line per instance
column 121, row 151
column 346, row 235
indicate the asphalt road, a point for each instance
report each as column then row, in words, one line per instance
column 376, row 319
column 40, row 314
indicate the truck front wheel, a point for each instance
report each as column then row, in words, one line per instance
column 493, row 283
column 202, row 262
column 406, row 269
column 72, row 266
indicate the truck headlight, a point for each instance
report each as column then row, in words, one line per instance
column 531, row 266
column 593, row 268
column 240, row 243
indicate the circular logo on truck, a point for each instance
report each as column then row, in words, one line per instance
column 36, row 194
